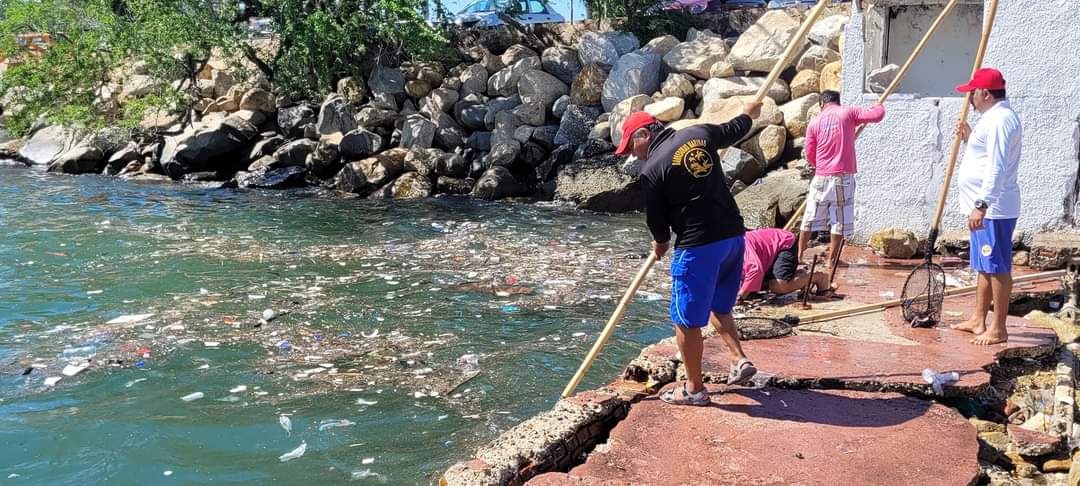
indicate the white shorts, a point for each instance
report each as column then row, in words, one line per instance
column 830, row 205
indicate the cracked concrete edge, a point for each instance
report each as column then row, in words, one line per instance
column 1065, row 391
column 551, row 441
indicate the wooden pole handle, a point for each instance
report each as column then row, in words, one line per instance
column 954, row 153
column 610, row 327
column 894, row 85
column 827, row 316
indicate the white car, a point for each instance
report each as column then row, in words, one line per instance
column 483, row 13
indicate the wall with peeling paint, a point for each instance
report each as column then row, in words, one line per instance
column 902, row 160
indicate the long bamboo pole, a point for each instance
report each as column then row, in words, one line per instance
column 863, row 309
column 894, row 85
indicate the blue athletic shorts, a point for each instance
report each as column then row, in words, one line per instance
column 703, row 279
column 991, row 247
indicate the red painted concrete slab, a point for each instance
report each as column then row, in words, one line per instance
column 774, row 437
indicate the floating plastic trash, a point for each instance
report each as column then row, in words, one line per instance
column 50, row 381
column 366, row 473
column 72, row 370
column 130, row 319
column 192, row 397
column 285, row 424
column 332, row 424
column 511, row 309
column 134, row 382
column 269, row 315
column 295, row 453
column 241, row 388
column 367, row 460
column 361, row 401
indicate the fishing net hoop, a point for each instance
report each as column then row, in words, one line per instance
column 923, row 295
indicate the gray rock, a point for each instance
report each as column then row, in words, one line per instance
column 741, row 166
column 879, row 79
column 266, row 178
column 594, row 47
column 816, row 58
column 474, row 80
column 562, row 155
column 325, row 161
column 448, row 134
column 826, row 32
column 575, row 126
column 480, row 141
column 258, row 100
column 417, row 132
column 622, row 111
column 696, row 58
column 593, row 148
column 384, row 101
column 503, row 154
column 386, row 81
column 83, row 158
column 516, row 53
column 744, row 86
column 763, row 44
column 359, row 144
column 773, row 201
column 536, row 86
column 423, row 161
column 208, row 148
column 505, row 82
column 497, row 183
column 122, row 158
column 560, row 105
column 365, row 176
column 661, row 45
column 472, row 116
column 498, row 105
column 291, row 120
column 632, row 75
column 371, row 117
column 523, row 133
column 294, row 154
column 598, row 185
column 46, row 144
column 678, row 85
column 529, row 114
column 456, row 186
column 452, row 165
column 266, row 147
column 336, row 115
column 561, row 62
column 353, row 89
column 532, row 155
column 409, row 186
column 438, row 101
column 545, row 136
column 588, row 87
column 624, row 42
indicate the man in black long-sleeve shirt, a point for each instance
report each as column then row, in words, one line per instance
column 686, row 192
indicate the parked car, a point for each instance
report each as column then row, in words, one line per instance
column 691, row 6
column 261, row 26
column 484, row 13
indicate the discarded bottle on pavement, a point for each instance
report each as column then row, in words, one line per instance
column 938, row 380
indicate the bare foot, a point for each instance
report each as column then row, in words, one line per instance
column 973, row 325
column 991, row 337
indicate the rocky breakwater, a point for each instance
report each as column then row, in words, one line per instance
column 515, row 124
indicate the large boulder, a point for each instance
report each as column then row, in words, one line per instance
column 294, row 154
column 214, row 147
column 46, row 144
column 516, row 53
column 741, row 166
column 536, row 86
column 679, row 85
column 588, row 88
column 558, row 108
column 599, row 185
column 267, row 178
column 763, row 44
column 827, row 32
column 576, row 124
column 767, row 145
column 440, row 100
column 632, row 75
column 452, row 165
column 293, row 119
column 722, row 69
column 895, row 243
column 410, row 185
column 879, row 79
column 662, row 45
column 773, row 201
column 529, row 114
column 352, row 89
column 372, row 117
column 804, row 83
column 796, row 114
column 594, row 47
column 258, row 100
column 417, row 132
column 696, row 58
column 744, row 86
column 667, row 109
column 832, row 77
column 622, row 111
column 503, row 154
column 265, row 147
column 721, row 110
column 816, row 58
column 336, row 115
column 222, row 81
column 386, row 80
column 366, row 176
column 499, row 105
column 417, row 89
column 474, row 80
column 454, row 185
column 561, row 62
column 325, row 160
column 448, row 134
column 359, row 144
column 83, row 158
column 122, row 158
column 497, row 183
column 505, row 82
column 624, row 42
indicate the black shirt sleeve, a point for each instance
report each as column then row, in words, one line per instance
column 656, row 208
column 726, row 134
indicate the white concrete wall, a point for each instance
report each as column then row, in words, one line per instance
column 946, row 57
column 902, row 161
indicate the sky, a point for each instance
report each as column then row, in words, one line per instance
column 561, row 6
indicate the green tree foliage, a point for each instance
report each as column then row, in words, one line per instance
column 643, row 18
column 320, row 42
column 93, row 41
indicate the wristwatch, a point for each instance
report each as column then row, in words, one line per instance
column 980, row 204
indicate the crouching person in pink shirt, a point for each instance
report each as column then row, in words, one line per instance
column 770, row 264
column 830, row 149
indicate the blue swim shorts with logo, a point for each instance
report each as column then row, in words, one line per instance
column 704, row 279
column 991, row 247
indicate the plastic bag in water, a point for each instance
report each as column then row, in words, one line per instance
column 295, row 453
column 285, row 424
column 330, row 424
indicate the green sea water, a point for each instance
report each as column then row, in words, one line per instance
column 401, row 336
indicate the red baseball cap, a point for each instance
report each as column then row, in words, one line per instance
column 635, row 121
column 985, row 78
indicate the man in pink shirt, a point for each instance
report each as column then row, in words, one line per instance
column 830, row 150
column 769, row 263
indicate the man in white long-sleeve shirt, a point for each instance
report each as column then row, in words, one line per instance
column 989, row 192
